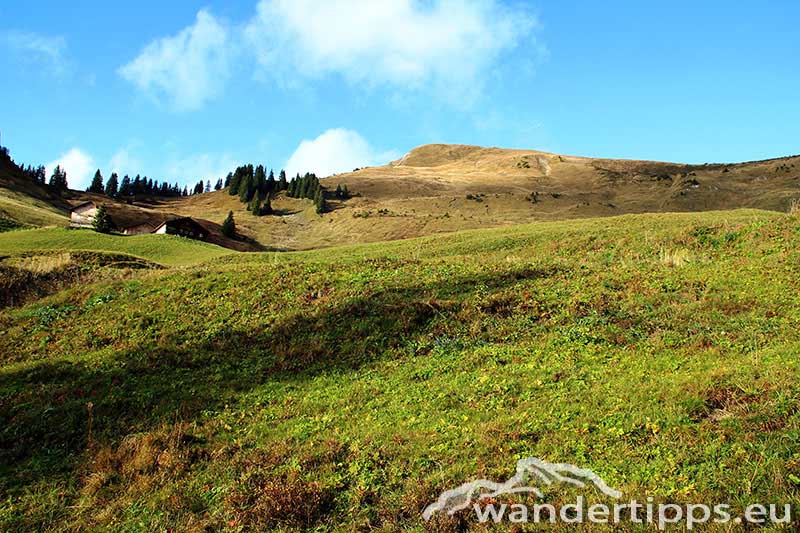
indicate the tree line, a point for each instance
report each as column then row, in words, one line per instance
column 138, row 186
column 123, row 189
column 256, row 188
column 251, row 183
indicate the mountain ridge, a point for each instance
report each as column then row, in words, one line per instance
column 441, row 188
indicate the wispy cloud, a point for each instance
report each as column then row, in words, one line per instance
column 445, row 46
column 336, row 150
column 189, row 68
column 78, row 165
column 124, row 162
column 45, row 50
column 202, row 166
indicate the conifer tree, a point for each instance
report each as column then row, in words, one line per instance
column 102, row 222
column 125, row 189
column 260, row 181
column 97, row 183
column 58, row 181
column 282, row 183
column 247, row 188
column 319, row 201
column 112, row 185
column 234, row 181
column 255, row 205
column 302, row 188
column 229, row 225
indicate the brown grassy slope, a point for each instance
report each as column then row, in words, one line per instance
column 155, row 211
column 26, row 203
column 426, row 192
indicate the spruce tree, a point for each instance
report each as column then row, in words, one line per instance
column 266, row 207
column 97, row 183
column 102, row 222
column 255, row 205
column 282, row 184
column 302, row 188
column 125, row 189
column 112, row 185
column 319, row 201
column 260, row 181
column 58, row 181
column 234, row 180
column 247, row 187
column 229, row 225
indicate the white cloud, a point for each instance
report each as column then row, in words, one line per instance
column 336, row 150
column 193, row 168
column 189, row 68
column 78, row 165
column 123, row 162
column 449, row 46
column 47, row 50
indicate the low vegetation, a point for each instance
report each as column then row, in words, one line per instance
column 30, row 276
column 343, row 389
column 164, row 250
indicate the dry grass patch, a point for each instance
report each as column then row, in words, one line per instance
column 794, row 208
column 41, row 264
column 675, row 258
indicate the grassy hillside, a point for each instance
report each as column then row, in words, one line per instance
column 344, row 389
column 162, row 249
column 24, row 203
column 447, row 188
column 28, row 211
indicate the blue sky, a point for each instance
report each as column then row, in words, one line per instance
column 184, row 90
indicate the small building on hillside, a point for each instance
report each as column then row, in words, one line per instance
column 183, row 227
column 125, row 219
column 139, row 229
column 82, row 215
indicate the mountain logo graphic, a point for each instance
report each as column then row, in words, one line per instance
column 531, row 469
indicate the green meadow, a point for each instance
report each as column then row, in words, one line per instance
column 343, row 389
column 166, row 250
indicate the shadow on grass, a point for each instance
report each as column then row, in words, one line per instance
column 49, row 411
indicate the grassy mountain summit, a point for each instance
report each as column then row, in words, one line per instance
column 442, row 188
column 344, row 389
column 445, row 188
column 155, row 382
